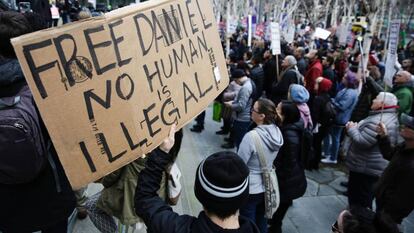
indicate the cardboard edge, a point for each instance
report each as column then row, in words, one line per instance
column 128, row 10
column 16, row 41
column 113, row 15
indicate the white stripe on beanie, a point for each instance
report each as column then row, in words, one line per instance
column 220, row 191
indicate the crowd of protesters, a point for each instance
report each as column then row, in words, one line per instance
column 320, row 95
column 317, row 110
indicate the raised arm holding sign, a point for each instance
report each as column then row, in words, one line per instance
column 109, row 88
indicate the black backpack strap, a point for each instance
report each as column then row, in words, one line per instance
column 53, row 166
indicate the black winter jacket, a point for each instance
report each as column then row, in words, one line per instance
column 318, row 106
column 35, row 205
column 257, row 75
column 395, row 190
column 280, row 89
column 159, row 217
column 269, row 70
column 290, row 173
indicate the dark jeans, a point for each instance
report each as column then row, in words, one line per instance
column 55, row 22
column 65, row 18
column 240, row 128
column 317, row 146
column 361, row 189
column 227, row 125
column 332, row 150
column 254, row 210
column 200, row 118
column 278, row 216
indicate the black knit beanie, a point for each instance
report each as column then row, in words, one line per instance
column 238, row 73
column 222, row 182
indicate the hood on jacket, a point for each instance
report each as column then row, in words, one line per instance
column 298, row 125
column 298, row 93
column 10, row 72
column 271, row 136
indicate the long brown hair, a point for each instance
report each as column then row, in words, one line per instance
column 268, row 108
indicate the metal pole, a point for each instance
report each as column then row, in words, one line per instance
column 277, row 68
column 259, row 13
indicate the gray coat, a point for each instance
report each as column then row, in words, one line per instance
column 243, row 103
column 364, row 155
column 271, row 141
column 231, row 91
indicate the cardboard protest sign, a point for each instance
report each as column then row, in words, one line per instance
column 231, row 26
column 322, row 33
column 290, row 37
column 392, row 52
column 109, row 88
column 275, row 31
column 250, row 31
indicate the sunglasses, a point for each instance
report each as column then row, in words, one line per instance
column 335, row 228
column 254, row 110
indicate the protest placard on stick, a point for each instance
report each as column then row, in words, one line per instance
column 109, row 88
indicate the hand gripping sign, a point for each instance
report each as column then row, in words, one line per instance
column 109, row 88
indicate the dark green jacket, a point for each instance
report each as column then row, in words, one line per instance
column 117, row 197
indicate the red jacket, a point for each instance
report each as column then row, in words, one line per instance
column 314, row 71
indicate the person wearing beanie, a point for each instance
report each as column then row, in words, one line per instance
column 289, row 75
column 344, row 103
column 364, row 159
column 270, row 137
column 221, row 186
column 241, row 107
column 314, row 70
column 321, row 117
column 395, row 189
column 403, row 90
column 300, row 96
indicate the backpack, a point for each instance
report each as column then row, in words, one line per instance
column 23, row 151
column 329, row 113
column 307, row 153
column 255, row 95
column 299, row 77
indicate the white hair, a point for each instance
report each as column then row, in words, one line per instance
column 291, row 60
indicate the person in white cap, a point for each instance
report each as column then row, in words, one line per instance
column 364, row 160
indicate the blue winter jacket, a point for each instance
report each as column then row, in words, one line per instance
column 345, row 102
